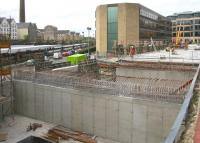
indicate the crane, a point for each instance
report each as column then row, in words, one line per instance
column 178, row 35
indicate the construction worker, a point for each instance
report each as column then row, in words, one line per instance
column 132, row 51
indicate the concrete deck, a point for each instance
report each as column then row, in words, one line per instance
column 180, row 56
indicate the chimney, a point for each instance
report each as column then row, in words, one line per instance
column 22, row 11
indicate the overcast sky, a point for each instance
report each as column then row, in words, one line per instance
column 78, row 14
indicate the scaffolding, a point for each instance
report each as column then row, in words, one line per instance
column 6, row 84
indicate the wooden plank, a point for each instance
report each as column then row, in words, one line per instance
column 5, row 71
column 3, row 136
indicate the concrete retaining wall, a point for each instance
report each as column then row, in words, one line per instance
column 171, row 75
column 121, row 119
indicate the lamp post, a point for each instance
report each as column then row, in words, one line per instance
column 82, row 40
column 88, row 28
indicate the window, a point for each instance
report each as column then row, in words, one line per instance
column 187, row 28
column 187, row 34
column 197, row 21
column 112, row 27
column 197, row 15
column 197, row 33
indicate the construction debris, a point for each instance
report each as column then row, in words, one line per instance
column 60, row 133
column 33, row 127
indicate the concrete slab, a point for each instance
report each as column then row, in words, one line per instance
column 16, row 130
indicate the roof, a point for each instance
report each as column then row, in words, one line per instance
column 140, row 6
column 63, row 32
column 1, row 19
column 185, row 13
column 25, row 25
column 10, row 20
column 50, row 26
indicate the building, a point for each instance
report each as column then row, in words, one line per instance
column 126, row 23
column 22, row 18
column 77, row 36
column 72, row 36
column 40, row 35
column 8, row 26
column 50, row 33
column 62, row 35
column 187, row 24
column 27, row 31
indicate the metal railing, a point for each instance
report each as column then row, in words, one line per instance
column 175, row 130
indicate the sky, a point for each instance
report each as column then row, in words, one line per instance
column 77, row 15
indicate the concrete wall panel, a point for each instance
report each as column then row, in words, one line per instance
column 76, row 112
column 112, row 119
column 122, row 119
column 139, row 123
column 57, row 111
column 66, row 109
column 21, row 103
column 171, row 75
column 48, row 104
column 39, row 102
column 154, row 122
column 88, row 114
column 17, row 91
column 125, row 122
column 100, row 117
column 25, row 99
column 30, row 94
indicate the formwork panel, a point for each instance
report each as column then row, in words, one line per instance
column 30, row 94
column 48, row 104
column 169, row 118
column 154, row 121
column 25, row 99
column 139, row 123
column 100, row 116
column 57, row 104
column 112, row 119
column 139, row 118
column 76, row 112
column 66, row 108
column 139, row 136
column 125, row 122
column 88, row 114
column 39, row 102
column 17, row 91
column 154, row 139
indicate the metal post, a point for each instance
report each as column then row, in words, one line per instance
column 88, row 28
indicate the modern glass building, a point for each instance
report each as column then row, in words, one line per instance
column 188, row 24
column 125, row 23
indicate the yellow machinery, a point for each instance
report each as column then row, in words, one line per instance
column 179, row 34
column 178, row 39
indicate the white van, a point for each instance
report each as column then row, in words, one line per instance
column 57, row 55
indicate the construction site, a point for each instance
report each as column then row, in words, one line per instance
column 109, row 99
column 139, row 86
